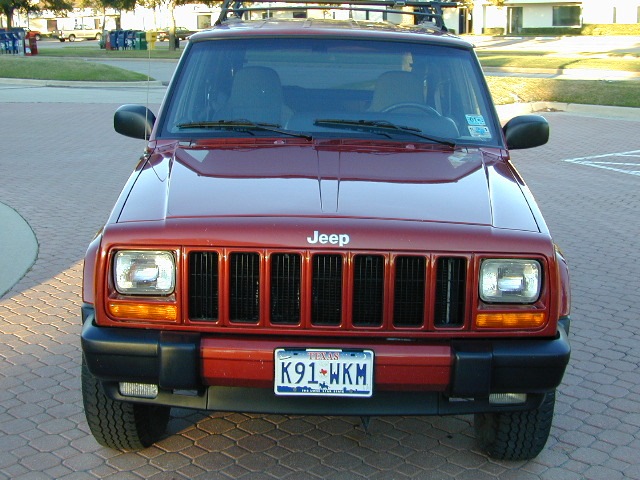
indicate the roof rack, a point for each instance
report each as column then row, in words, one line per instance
column 423, row 11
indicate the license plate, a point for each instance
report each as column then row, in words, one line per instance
column 324, row 372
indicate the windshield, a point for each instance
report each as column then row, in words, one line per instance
column 328, row 87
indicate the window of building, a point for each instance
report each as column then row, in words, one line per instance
column 204, row 21
column 566, row 16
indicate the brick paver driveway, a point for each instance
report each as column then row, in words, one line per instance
column 62, row 167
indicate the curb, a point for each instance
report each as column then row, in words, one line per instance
column 567, row 73
column 19, row 248
column 505, row 112
column 79, row 83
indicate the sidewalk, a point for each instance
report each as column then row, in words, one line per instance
column 19, row 248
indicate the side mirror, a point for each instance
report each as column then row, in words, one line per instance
column 526, row 131
column 134, row 121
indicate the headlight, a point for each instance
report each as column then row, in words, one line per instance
column 141, row 272
column 510, row 280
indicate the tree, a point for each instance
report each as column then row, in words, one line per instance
column 9, row 7
column 172, row 4
column 102, row 5
column 497, row 3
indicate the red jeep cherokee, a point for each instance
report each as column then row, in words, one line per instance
column 326, row 208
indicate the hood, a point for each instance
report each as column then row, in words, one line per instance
column 408, row 182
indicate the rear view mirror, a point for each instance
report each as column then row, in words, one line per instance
column 526, row 131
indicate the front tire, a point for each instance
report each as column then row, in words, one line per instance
column 515, row 435
column 120, row 425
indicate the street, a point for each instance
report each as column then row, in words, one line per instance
column 62, row 168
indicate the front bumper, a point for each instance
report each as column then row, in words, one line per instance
column 236, row 374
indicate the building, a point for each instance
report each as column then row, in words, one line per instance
column 545, row 17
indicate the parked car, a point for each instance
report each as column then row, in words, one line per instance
column 33, row 34
column 181, row 33
column 326, row 221
column 79, row 32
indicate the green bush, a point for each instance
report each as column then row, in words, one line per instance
column 493, row 31
column 554, row 31
column 611, row 29
column 588, row 29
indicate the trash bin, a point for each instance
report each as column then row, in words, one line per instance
column 152, row 38
column 141, row 40
column 177, row 42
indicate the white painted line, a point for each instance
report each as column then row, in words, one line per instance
column 616, row 166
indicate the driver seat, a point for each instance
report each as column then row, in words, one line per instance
column 396, row 87
column 256, row 95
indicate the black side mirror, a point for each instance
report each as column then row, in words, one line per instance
column 526, row 131
column 134, row 121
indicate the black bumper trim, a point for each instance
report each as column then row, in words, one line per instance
column 167, row 359
column 264, row 401
column 171, row 360
column 509, row 366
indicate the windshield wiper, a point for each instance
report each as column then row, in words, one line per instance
column 378, row 126
column 243, row 125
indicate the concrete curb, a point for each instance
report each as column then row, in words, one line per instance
column 19, row 248
column 81, row 84
column 566, row 73
column 505, row 112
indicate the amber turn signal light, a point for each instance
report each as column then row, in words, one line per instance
column 511, row 320
column 161, row 312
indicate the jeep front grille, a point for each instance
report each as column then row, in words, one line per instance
column 343, row 291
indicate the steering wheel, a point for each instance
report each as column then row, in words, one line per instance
column 419, row 106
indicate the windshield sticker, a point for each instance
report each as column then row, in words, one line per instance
column 479, row 132
column 475, row 120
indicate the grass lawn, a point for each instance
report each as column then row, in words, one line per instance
column 92, row 50
column 507, row 90
column 43, row 68
column 554, row 62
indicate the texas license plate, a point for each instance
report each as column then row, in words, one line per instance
column 324, row 372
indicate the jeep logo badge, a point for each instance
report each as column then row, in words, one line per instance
column 340, row 239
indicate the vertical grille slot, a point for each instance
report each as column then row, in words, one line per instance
column 203, row 286
column 408, row 300
column 368, row 290
column 450, row 292
column 285, row 289
column 326, row 304
column 244, row 287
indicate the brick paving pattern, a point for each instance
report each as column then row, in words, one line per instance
column 62, row 167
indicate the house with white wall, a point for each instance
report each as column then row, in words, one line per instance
column 525, row 16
